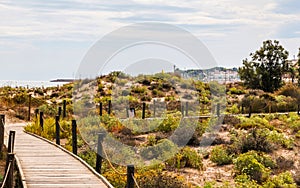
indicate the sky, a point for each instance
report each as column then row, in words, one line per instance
column 44, row 40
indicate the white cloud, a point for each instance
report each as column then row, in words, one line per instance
column 226, row 26
column 84, row 21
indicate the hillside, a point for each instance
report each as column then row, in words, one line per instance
column 260, row 151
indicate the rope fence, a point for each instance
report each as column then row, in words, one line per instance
column 8, row 179
column 131, row 180
column 110, row 164
column 136, row 184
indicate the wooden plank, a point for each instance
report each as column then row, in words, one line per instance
column 45, row 165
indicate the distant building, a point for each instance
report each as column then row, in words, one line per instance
column 219, row 74
column 291, row 75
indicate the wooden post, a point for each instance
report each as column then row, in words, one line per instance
column 36, row 112
column 59, row 111
column 100, row 108
column 42, row 120
column 64, row 108
column 250, row 109
column 218, row 109
column 154, row 108
column 200, row 108
column 130, row 175
column 74, row 137
column 2, row 122
column 298, row 109
column 182, row 110
column 10, row 177
column 109, row 107
column 187, row 109
column 11, row 141
column 57, row 130
column 29, row 107
column 99, row 152
column 127, row 112
column 243, row 111
column 143, row 110
column 2, row 118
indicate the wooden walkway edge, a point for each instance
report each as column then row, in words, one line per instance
column 43, row 164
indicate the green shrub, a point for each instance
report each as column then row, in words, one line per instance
column 162, row 180
column 158, row 93
column 151, row 140
column 49, row 130
column 117, row 180
column 258, row 104
column 255, row 165
column 290, row 90
column 244, row 180
column 210, row 184
column 252, row 122
column 280, row 139
column 89, row 156
column 139, row 89
column 236, row 91
column 282, row 180
column 170, row 122
column 295, row 126
column 220, row 156
column 164, row 149
column 256, row 140
column 234, row 109
column 187, row 157
column 217, row 89
column 292, row 117
column 192, row 158
column 48, row 110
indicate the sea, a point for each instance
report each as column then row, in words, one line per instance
column 30, row 83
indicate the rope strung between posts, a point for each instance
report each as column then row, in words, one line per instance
column 110, row 164
column 86, row 143
column 106, row 156
column 62, row 129
column 137, row 185
column 6, row 175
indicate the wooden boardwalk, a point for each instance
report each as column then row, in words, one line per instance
column 45, row 165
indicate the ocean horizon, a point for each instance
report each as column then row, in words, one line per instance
column 30, row 83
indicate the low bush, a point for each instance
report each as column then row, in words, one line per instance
column 252, row 122
column 48, row 130
column 138, row 89
column 235, row 91
column 164, row 149
column 243, row 180
column 48, row 110
column 256, row 140
column 280, row 139
column 234, row 109
column 187, row 157
column 220, row 156
column 282, row 180
column 295, row 126
column 255, row 165
column 170, row 122
column 162, row 180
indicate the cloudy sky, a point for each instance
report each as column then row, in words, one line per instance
column 43, row 40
